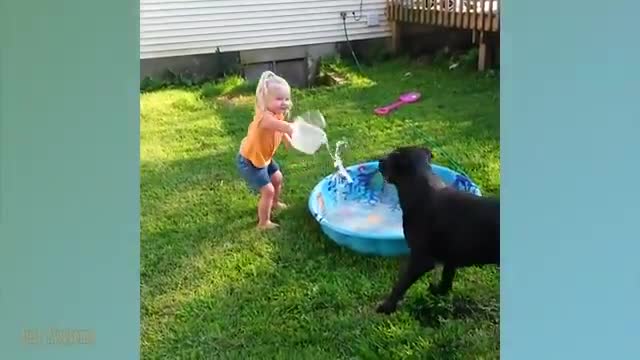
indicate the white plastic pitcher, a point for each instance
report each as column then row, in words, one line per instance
column 315, row 118
column 307, row 138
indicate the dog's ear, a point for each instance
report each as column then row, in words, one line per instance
column 403, row 164
column 428, row 152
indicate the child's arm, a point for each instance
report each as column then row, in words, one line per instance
column 271, row 122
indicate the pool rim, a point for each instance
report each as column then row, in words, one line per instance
column 312, row 204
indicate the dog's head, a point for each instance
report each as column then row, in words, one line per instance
column 405, row 162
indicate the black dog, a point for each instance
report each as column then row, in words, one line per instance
column 441, row 225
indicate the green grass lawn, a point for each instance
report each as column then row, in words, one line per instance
column 215, row 288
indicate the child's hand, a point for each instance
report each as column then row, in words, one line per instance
column 287, row 141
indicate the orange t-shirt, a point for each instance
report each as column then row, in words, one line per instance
column 260, row 144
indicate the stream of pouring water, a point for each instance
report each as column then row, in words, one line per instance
column 337, row 160
column 316, row 119
column 341, row 176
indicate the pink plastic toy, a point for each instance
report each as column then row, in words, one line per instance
column 407, row 98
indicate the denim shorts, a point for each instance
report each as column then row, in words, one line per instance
column 256, row 177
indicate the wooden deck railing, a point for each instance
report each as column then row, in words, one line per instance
column 479, row 15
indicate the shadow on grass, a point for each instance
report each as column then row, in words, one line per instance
column 434, row 312
column 292, row 298
column 320, row 309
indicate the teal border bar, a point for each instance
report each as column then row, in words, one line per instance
column 69, row 238
column 570, row 141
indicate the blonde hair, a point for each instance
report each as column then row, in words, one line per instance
column 268, row 79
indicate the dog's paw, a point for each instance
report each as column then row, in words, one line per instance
column 386, row 308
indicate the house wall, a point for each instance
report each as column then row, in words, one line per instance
column 298, row 64
column 173, row 28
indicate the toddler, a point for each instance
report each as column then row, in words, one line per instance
column 269, row 127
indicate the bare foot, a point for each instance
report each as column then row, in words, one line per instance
column 268, row 226
column 280, row 206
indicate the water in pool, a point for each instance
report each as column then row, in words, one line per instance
column 359, row 216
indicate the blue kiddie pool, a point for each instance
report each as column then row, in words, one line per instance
column 364, row 215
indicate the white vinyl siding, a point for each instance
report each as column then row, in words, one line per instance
column 191, row 27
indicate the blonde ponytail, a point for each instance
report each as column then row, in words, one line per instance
column 262, row 89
